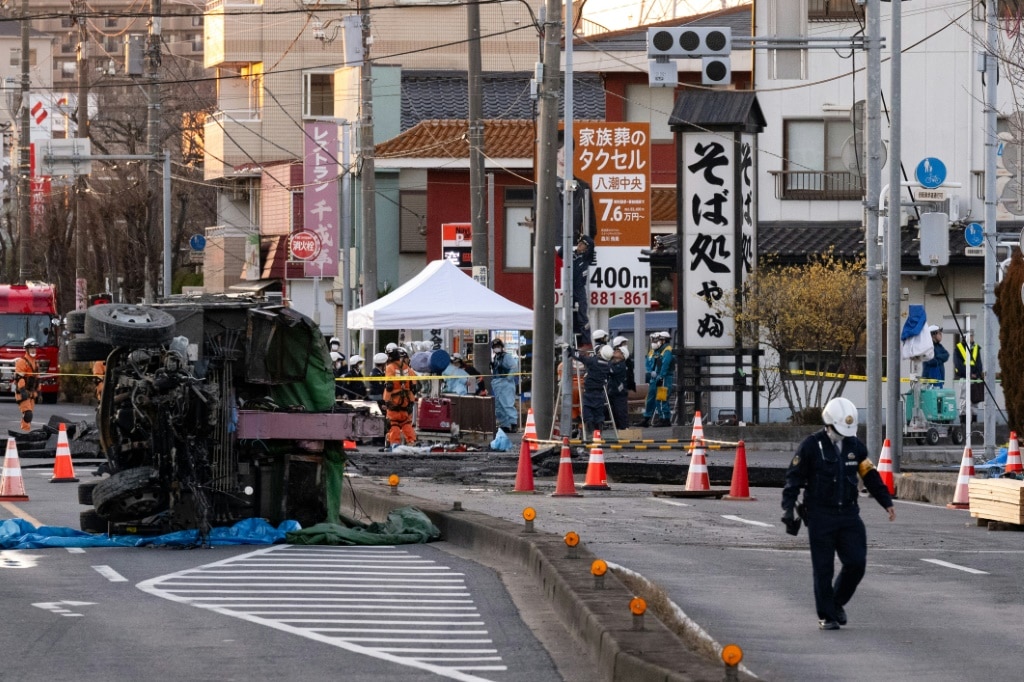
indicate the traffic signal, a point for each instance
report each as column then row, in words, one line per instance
column 680, row 42
column 715, row 71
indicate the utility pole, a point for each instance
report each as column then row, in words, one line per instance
column 991, row 231
column 871, row 250
column 894, row 419
column 153, row 138
column 547, row 216
column 476, row 160
column 368, row 170
column 82, row 131
column 24, row 155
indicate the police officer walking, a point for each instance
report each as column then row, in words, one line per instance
column 826, row 465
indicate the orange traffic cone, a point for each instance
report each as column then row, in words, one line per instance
column 597, row 477
column 63, row 471
column 697, row 475
column 12, row 485
column 530, row 432
column 524, row 476
column 740, row 487
column 885, row 467
column 698, row 429
column 565, row 486
column 961, row 497
column 1013, row 461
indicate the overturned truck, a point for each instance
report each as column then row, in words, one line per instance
column 212, row 411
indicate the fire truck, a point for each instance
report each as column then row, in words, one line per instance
column 29, row 310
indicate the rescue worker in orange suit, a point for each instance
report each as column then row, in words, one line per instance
column 99, row 371
column 26, row 382
column 399, row 397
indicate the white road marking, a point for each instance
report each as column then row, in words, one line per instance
column 671, row 502
column 110, row 574
column 75, row 550
column 57, row 607
column 733, row 517
column 314, row 591
column 965, row 569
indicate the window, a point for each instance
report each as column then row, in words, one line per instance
column 645, row 104
column 16, row 57
column 820, row 161
column 519, row 221
column 318, row 94
column 110, row 22
column 68, row 69
column 412, row 221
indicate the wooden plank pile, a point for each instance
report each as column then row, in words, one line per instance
column 997, row 499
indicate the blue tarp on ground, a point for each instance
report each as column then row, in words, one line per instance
column 20, row 534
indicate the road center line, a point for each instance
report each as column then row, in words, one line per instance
column 110, row 574
column 733, row 517
column 21, row 514
column 965, row 569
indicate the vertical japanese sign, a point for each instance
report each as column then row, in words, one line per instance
column 457, row 244
column 613, row 161
column 718, row 231
column 321, row 213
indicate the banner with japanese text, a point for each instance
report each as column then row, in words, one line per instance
column 321, row 210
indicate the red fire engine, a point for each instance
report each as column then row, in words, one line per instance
column 29, row 310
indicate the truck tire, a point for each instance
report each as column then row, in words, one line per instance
column 130, row 494
column 74, row 322
column 91, row 522
column 122, row 324
column 84, row 349
column 85, row 491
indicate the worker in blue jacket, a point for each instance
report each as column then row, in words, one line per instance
column 826, row 466
column 659, row 372
column 934, row 370
column 503, row 387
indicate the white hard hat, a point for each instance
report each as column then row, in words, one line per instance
column 335, row 340
column 841, row 414
column 619, row 341
column 390, row 347
column 380, row 359
column 625, row 352
column 599, row 336
column 606, row 352
column 336, row 356
column 456, row 356
column 665, row 335
column 355, row 360
column 31, row 341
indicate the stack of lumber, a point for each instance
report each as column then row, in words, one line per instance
column 997, row 499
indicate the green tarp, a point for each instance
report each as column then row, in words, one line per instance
column 405, row 526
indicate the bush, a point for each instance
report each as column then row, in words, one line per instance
column 76, row 383
column 808, row 416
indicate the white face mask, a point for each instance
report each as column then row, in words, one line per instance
column 656, row 344
column 32, row 352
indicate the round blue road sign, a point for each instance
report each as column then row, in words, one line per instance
column 931, row 172
column 197, row 242
column 974, row 234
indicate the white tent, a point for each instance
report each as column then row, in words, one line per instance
column 441, row 297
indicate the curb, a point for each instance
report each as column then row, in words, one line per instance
column 599, row 617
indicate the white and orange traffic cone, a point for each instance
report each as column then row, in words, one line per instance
column 739, row 489
column 63, row 470
column 566, row 485
column 524, row 475
column 530, row 432
column 697, row 474
column 12, row 485
column 697, row 435
column 597, row 477
column 961, row 497
column 1013, row 461
column 885, row 467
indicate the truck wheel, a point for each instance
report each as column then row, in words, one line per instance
column 956, row 435
column 91, row 522
column 932, row 436
column 121, row 324
column 84, row 349
column 85, row 492
column 131, row 494
column 74, row 322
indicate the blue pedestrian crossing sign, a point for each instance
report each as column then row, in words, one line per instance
column 974, row 234
column 931, row 172
column 197, row 242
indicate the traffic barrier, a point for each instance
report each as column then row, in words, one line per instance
column 530, row 432
column 597, row 476
column 697, row 474
column 63, row 470
column 885, row 467
column 739, row 489
column 961, row 497
column 1013, row 461
column 12, row 485
column 524, row 475
column 566, row 485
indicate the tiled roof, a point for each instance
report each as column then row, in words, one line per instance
column 718, row 109
column 634, row 39
column 448, row 139
column 445, row 95
column 663, row 205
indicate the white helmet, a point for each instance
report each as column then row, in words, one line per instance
column 624, row 351
column 335, row 340
column 336, row 356
column 606, row 351
column 355, row 360
column 619, row 341
column 665, row 335
column 390, row 347
column 380, row 359
column 599, row 336
column 31, row 342
column 841, row 414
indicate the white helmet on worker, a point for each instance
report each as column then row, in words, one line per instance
column 599, row 336
column 619, row 341
column 336, row 356
column 841, row 415
column 606, row 352
column 390, row 347
column 355, row 360
column 31, row 342
column 380, row 359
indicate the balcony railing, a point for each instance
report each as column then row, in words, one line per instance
column 236, row 115
column 819, row 185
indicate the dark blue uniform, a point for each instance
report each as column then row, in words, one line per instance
column 594, row 385
column 618, row 393
column 828, row 473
